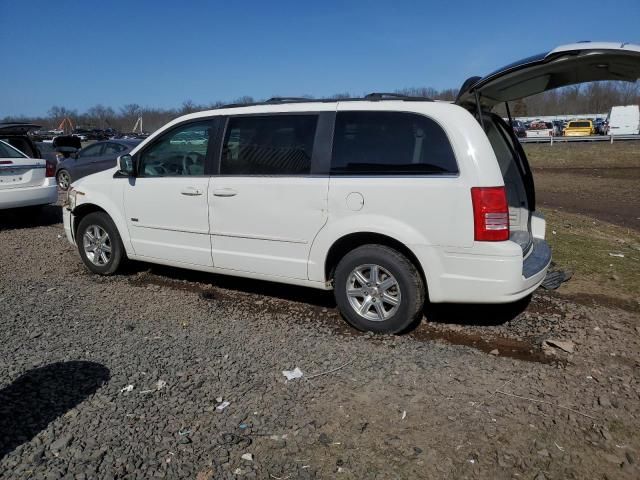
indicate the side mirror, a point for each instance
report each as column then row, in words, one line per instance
column 126, row 165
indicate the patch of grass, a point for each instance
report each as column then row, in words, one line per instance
column 584, row 155
column 583, row 245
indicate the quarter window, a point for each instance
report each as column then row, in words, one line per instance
column 181, row 151
column 269, row 145
column 390, row 143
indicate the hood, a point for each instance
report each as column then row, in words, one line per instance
column 565, row 65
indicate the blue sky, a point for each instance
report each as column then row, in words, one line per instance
column 161, row 53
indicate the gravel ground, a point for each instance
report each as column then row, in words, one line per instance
column 126, row 377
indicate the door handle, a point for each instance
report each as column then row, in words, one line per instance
column 225, row 192
column 191, row 191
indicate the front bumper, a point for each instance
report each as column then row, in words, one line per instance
column 68, row 221
column 29, row 196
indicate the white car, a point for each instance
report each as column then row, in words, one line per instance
column 387, row 200
column 24, row 181
column 540, row 129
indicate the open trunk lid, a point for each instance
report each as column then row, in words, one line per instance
column 17, row 128
column 17, row 170
column 565, row 65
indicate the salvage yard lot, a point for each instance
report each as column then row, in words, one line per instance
column 473, row 392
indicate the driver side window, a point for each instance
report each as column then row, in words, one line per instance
column 179, row 152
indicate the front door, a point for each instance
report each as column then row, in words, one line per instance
column 166, row 204
column 266, row 207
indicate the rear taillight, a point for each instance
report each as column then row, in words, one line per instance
column 490, row 214
column 51, row 169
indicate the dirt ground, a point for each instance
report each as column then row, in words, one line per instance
column 601, row 180
column 121, row 377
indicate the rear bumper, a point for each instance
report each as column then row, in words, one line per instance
column 29, row 196
column 498, row 274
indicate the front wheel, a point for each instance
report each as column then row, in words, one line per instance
column 99, row 243
column 63, row 179
column 378, row 289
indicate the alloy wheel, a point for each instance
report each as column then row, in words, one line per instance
column 373, row 292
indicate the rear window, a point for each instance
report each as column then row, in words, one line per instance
column 269, row 145
column 22, row 144
column 579, row 124
column 390, row 143
column 6, row 151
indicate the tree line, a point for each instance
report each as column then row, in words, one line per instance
column 596, row 97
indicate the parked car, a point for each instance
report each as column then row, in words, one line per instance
column 25, row 181
column 579, row 128
column 624, row 120
column 518, row 128
column 16, row 134
column 558, row 128
column 381, row 199
column 539, row 129
column 599, row 125
column 48, row 152
column 94, row 158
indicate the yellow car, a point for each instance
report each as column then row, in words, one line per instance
column 579, row 128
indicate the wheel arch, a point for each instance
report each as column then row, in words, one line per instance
column 82, row 211
column 348, row 242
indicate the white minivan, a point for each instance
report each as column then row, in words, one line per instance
column 387, row 200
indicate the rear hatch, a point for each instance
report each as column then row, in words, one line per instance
column 17, row 170
column 563, row 66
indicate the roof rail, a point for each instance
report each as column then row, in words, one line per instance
column 376, row 96
column 289, row 99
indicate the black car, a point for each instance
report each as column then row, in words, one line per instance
column 16, row 134
column 94, row 158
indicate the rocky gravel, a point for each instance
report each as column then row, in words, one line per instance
column 164, row 373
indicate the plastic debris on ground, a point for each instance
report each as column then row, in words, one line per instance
column 248, row 457
column 619, row 255
column 126, row 389
column 223, row 405
column 554, row 279
column 293, row 374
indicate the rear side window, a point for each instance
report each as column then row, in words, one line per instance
column 269, row 145
column 390, row 143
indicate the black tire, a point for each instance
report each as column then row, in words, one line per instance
column 62, row 172
column 409, row 283
column 102, row 221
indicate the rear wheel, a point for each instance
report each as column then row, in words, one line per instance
column 63, row 179
column 99, row 243
column 378, row 289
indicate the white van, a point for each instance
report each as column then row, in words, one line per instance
column 624, row 120
column 387, row 200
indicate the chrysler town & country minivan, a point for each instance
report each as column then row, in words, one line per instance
column 387, row 200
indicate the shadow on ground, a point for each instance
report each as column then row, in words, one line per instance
column 206, row 284
column 30, row 217
column 43, row 394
